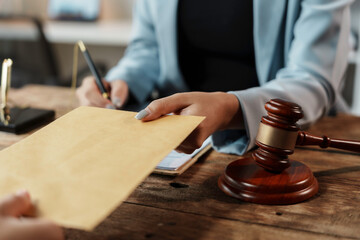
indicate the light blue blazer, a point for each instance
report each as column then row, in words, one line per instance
column 301, row 50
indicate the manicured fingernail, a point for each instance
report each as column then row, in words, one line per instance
column 143, row 113
column 35, row 202
column 110, row 106
column 117, row 102
column 23, row 193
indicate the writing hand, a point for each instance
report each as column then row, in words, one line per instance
column 89, row 94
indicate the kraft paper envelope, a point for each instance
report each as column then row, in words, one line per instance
column 83, row 165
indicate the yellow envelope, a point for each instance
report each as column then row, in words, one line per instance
column 83, row 165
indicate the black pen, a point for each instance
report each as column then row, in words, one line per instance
column 93, row 70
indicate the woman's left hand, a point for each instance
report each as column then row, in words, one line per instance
column 222, row 111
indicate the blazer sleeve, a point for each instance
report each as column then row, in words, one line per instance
column 140, row 65
column 315, row 66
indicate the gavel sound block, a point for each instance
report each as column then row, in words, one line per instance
column 269, row 177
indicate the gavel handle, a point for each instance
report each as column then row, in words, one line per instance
column 305, row 138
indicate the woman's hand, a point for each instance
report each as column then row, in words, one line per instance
column 222, row 111
column 89, row 95
column 13, row 227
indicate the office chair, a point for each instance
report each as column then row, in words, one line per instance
column 34, row 59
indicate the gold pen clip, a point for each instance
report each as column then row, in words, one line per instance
column 81, row 45
column 5, row 85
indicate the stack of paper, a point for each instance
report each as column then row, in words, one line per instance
column 175, row 160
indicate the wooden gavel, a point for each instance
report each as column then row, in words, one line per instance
column 272, row 178
column 279, row 134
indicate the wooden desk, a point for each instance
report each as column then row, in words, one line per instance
column 191, row 206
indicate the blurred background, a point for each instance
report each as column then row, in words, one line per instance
column 39, row 35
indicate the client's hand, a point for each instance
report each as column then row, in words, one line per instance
column 222, row 111
column 89, row 95
column 15, row 228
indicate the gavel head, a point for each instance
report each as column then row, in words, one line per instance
column 277, row 135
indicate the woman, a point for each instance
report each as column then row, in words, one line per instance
column 299, row 53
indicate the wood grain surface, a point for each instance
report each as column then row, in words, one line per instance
column 191, row 206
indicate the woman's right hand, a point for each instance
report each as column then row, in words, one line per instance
column 89, row 95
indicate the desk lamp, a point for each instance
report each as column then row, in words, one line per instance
column 269, row 177
column 18, row 120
